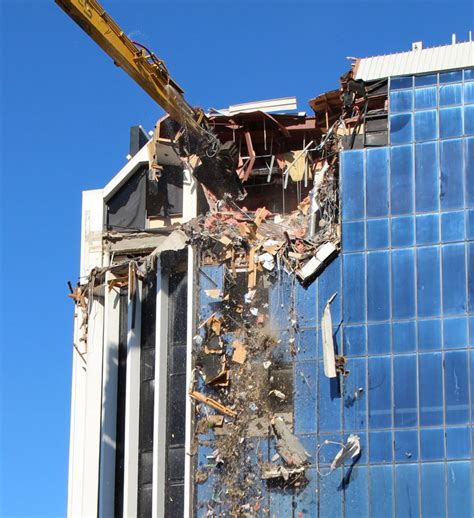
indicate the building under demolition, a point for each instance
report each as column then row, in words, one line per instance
column 305, row 348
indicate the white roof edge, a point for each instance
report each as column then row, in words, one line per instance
column 268, row 106
column 434, row 59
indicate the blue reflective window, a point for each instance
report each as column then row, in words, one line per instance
column 469, row 120
column 377, row 172
column 431, row 79
column 450, row 77
column 432, row 442
column 330, row 403
column 469, row 92
column 456, row 387
column 431, row 388
column 429, row 335
column 426, row 125
column 401, row 128
column 452, row 226
column 378, row 285
column 427, row 176
column 380, row 392
column 428, row 281
column 454, row 279
column 380, row 446
column 406, row 490
column 404, row 336
column 469, row 153
column 470, row 224
column 401, row 101
column 305, row 401
column 379, row 337
column 426, row 98
column 328, row 284
column 406, row 445
column 355, row 408
column 353, row 236
column 405, row 391
column 458, row 443
column 402, row 178
column 403, row 231
column 450, row 94
column 356, row 494
column 468, row 74
column 403, row 283
column 452, row 175
column 459, row 489
column 398, row 83
column 381, row 492
column 352, row 184
column 354, row 340
column 377, row 233
column 450, row 122
column 354, row 287
column 427, row 229
column 433, row 494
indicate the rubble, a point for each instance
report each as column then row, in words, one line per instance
column 289, row 446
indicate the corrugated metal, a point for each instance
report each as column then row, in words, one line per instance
column 448, row 57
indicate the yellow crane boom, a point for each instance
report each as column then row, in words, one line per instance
column 152, row 75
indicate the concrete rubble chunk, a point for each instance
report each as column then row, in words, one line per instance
column 289, row 446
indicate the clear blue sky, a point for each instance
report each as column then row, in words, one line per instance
column 65, row 117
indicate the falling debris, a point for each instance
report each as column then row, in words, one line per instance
column 288, row 445
column 328, row 342
column 350, row 449
column 272, row 471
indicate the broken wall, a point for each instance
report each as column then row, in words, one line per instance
column 402, row 321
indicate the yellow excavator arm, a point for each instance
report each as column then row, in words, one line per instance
column 152, row 75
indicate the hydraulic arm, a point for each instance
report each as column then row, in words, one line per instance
column 219, row 161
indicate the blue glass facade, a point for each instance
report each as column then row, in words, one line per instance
column 403, row 317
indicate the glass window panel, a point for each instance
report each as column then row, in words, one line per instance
column 305, row 399
column 469, row 169
column 429, row 335
column 352, row 185
column 377, row 233
column 328, row 284
column 406, row 445
column 398, row 83
column 354, row 288
column 378, row 285
column 379, row 338
column 468, row 74
column 380, row 392
column 401, row 101
column 403, row 231
column 406, row 490
column 450, row 122
column 431, row 388
column 427, row 229
column 381, row 492
column 401, row 128
column 458, row 443
column 431, row 79
column 380, row 447
column 455, row 332
column 432, row 442
column 355, row 408
column 354, row 340
column 356, row 494
column 433, row 494
column 459, row 489
column 428, row 281
column 377, row 181
column 402, row 178
column 426, row 125
column 450, row 77
column 426, row 98
column 427, row 176
column 452, row 175
column 450, row 94
column 452, row 226
column 470, row 225
column 404, row 336
column 353, row 236
column 405, row 391
column 454, row 279
column 470, row 275
column 403, row 283
column 456, row 387
column 469, row 92
column 330, row 402
column 469, row 120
